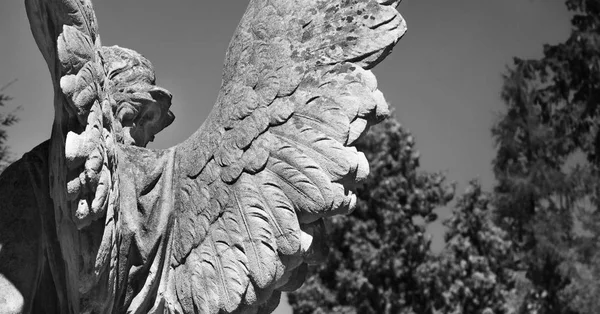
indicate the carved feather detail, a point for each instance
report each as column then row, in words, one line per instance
column 274, row 156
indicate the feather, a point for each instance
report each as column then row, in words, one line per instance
column 325, row 115
column 282, row 216
column 257, row 238
column 74, row 50
column 300, row 178
column 325, row 151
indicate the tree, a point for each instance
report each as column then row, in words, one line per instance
column 548, row 207
column 474, row 273
column 380, row 259
column 6, row 120
column 375, row 252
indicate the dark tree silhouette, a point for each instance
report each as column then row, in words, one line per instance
column 547, row 167
column 6, row 119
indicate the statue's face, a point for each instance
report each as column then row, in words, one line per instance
column 141, row 117
column 141, row 107
column 152, row 118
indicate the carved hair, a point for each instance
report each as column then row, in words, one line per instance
column 139, row 105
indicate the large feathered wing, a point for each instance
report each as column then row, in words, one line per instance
column 275, row 156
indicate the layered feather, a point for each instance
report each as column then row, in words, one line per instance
column 275, row 156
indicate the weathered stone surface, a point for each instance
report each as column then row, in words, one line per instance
column 93, row 222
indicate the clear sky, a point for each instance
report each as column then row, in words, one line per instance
column 443, row 78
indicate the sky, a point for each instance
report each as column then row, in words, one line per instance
column 443, row 78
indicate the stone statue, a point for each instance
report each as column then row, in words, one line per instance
column 93, row 222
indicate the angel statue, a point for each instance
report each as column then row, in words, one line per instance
column 93, row 222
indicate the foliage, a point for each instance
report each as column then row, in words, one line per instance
column 473, row 274
column 548, row 207
column 6, row 120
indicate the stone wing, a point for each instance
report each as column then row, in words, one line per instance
column 275, row 156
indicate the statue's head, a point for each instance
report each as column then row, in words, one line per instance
column 141, row 107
